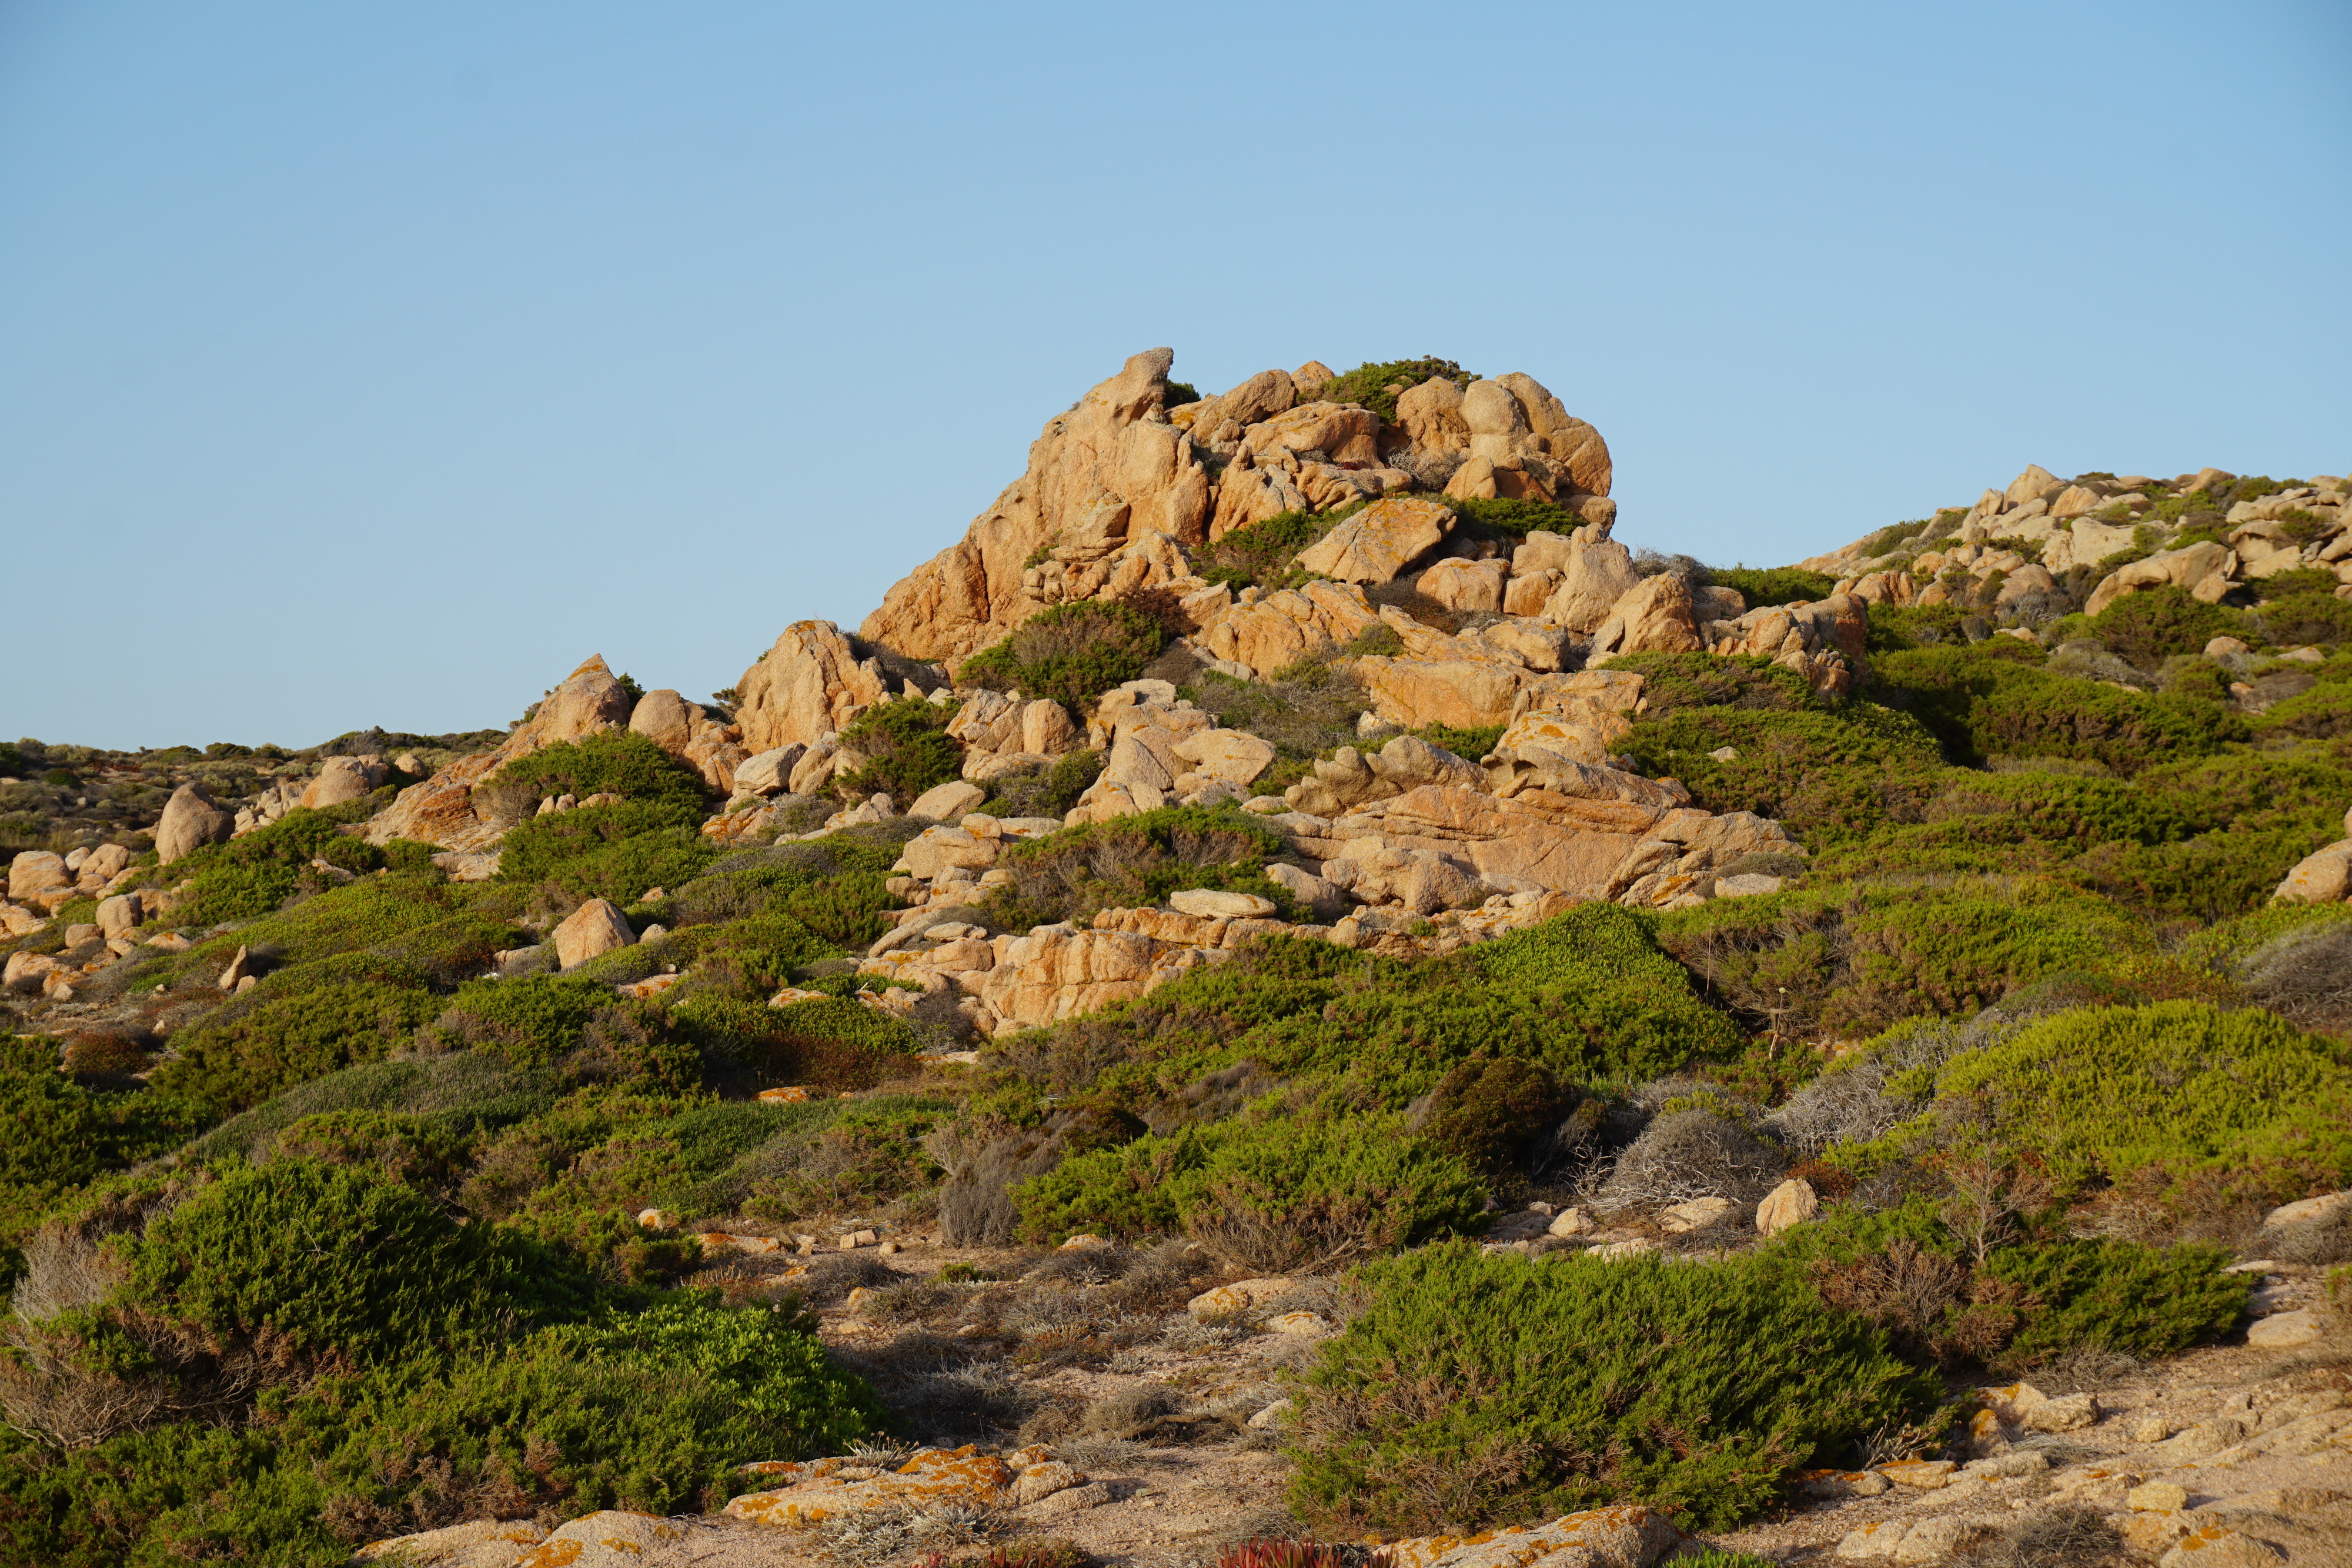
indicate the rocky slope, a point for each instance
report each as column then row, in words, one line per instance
column 1288, row 830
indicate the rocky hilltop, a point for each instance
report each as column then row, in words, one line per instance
column 1290, row 986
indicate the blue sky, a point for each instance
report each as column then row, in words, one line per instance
column 374, row 364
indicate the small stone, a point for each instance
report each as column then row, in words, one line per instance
column 238, row 971
column 1932, row 1539
column 2151, row 1495
column 1843, row 1483
column 1920, row 1475
column 1571, row 1222
column 1791, row 1203
column 1211, row 904
column 1043, row 1480
column 1698, row 1214
column 656, row 1219
column 2284, row 1331
column 859, row 1298
column 596, row 927
column 2150, row 1534
column 1298, row 1323
column 2071, row 1414
column 2215, row 1546
column 948, row 803
column 1873, row 1543
column 1085, row 1241
column 1614, row 1251
column 1266, row 1418
column 2149, row 1430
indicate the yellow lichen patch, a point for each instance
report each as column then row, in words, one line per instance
column 825, row 1489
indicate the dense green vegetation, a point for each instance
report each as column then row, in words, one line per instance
column 355, row 1249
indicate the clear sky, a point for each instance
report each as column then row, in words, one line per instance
column 376, row 363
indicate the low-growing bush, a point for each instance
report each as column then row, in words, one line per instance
column 1051, row 790
column 1265, row 1194
column 1773, row 585
column 1484, row 1389
column 2094, row 1095
column 900, row 750
column 619, row 762
column 238, row 1061
column 1070, row 651
column 2146, row 627
column 1135, row 860
column 1376, row 386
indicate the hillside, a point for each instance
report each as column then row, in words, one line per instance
column 1289, row 984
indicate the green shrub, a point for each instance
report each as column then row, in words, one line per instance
column 1376, row 386
column 252, row 876
column 327, row 1261
column 901, row 748
column 1052, row 790
column 606, row 851
column 1485, row 1388
column 2146, row 627
column 55, row 1134
column 404, row 919
column 1135, row 860
column 1265, row 1194
column 619, row 762
column 1671, row 682
column 1829, row 778
column 1506, row 518
column 238, row 1061
column 1264, row 551
column 651, row 1410
column 2095, row 1095
column 1493, row 1111
column 1853, row 960
column 1070, row 653
column 1946, row 1297
column 2295, row 619
column 1774, row 585
column 531, row 1021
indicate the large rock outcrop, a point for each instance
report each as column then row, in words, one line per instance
column 442, row 810
column 1109, row 471
column 811, row 683
column 1117, row 487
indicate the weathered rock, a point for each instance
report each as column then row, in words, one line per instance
column 1791, row 1203
column 37, row 872
column 818, row 1490
column 666, row 718
column 1594, row 576
column 118, row 915
column 190, row 821
column 2325, row 876
column 596, row 927
column 948, row 803
column 1047, row 730
column 1277, row 630
column 1628, row 1536
column 2070, row 1413
column 2284, row 1331
column 101, row 866
column 1110, row 469
column 590, row 701
column 1467, row 585
column 1378, row 543
column 770, row 772
column 1234, row 755
column 809, row 683
column 1529, row 641
column 345, row 778
column 2218, row 1546
column 2203, row 569
column 2075, row 500
column 2033, row 485
column 1654, row 616
column 934, row 849
column 1216, row 905
column 2305, row 1211
column 1325, row 900
column 27, row 971
column 1240, row 1296
column 445, row 811
column 480, row 1543
column 1698, row 1214
column 610, row 1538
